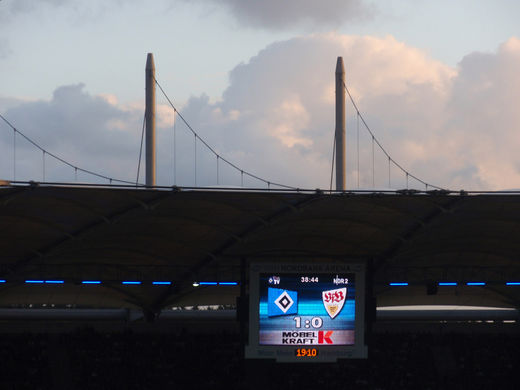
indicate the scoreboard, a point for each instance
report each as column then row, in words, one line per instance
column 306, row 312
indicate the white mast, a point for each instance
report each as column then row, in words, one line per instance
column 340, row 125
column 150, row 120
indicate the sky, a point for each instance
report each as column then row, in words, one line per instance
column 436, row 81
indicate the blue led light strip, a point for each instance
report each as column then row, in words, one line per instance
column 168, row 283
column 125, row 282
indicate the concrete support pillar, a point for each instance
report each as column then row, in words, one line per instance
column 340, row 125
column 150, row 120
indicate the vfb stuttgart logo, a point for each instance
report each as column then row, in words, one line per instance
column 333, row 300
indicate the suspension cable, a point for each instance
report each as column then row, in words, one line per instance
column 195, row 159
column 217, row 170
column 389, row 167
column 14, row 154
column 140, row 151
column 381, row 146
column 56, row 157
column 174, row 147
column 213, row 150
column 43, row 166
column 333, row 156
column 373, row 165
column 357, row 150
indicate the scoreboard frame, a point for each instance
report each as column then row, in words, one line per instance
column 258, row 349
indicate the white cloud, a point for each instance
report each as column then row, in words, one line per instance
column 456, row 128
column 285, row 96
column 483, row 118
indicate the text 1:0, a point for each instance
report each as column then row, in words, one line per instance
column 315, row 322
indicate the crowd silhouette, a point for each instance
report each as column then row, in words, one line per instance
column 90, row 359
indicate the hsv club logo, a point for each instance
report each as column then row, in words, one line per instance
column 333, row 300
column 281, row 302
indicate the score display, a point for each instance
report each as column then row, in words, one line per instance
column 306, row 312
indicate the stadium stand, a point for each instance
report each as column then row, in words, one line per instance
column 91, row 359
column 108, row 336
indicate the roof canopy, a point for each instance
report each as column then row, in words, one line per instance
column 74, row 234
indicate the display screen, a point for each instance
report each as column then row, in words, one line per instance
column 307, row 309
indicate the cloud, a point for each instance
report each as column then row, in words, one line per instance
column 92, row 132
column 453, row 127
column 10, row 10
column 82, row 129
column 22, row 6
column 280, row 15
column 483, row 117
column 283, row 102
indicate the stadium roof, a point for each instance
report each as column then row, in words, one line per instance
column 69, row 235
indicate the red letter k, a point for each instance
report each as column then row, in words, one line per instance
column 324, row 337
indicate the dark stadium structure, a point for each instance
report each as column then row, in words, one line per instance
column 75, row 234
column 156, row 274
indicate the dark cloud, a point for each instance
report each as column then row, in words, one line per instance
column 85, row 130
column 96, row 133
column 23, row 6
column 280, row 15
